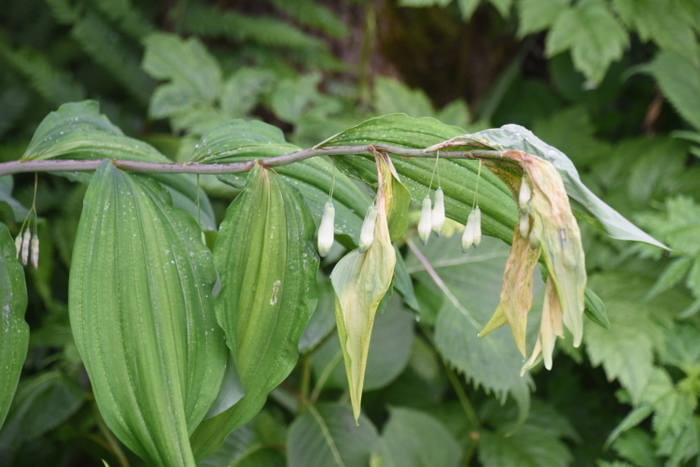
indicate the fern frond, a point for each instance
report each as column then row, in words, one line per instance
column 207, row 21
column 113, row 53
column 54, row 85
column 129, row 19
column 310, row 13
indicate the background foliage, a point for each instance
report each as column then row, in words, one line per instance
column 613, row 84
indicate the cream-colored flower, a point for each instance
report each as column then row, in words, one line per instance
column 425, row 224
column 438, row 214
column 472, row 231
column 367, row 231
column 327, row 229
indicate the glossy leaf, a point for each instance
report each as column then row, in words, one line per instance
column 360, row 281
column 415, row 439
column 142, row 314
column 79, row 131
column 14, row 331
column 587, row 203
column 458, row 177
column 326, row 435
column 267, row 261
column 238, row 140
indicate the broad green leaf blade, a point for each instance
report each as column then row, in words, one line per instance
column 142, row 314
column 473, row 282
column 79, row 131
column 458, row 177
column 389, row 352
column 14, row 331
column 592, row 33
column 415, row 439
column 517, row 137
column 326, row 436
column 19, row 212
column 266, row 258
column 360, row 281
column 238, row 140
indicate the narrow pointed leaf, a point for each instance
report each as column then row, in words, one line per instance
column 142, row 315
column 78, row 130
column 519, row 138
column 265, row 255
column 360, row 281
column 458, row 177
column 14, row 331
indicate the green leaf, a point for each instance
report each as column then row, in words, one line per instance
column 326, row 435
column 413, row 438
column 593, row 35
column 267, row 262
column 389, row 351
column 538, row 15
column 516, row 137
column 78, row 131
column 626, row 350
column 467, row 7
column 679, row 79
column 595, row 309
column 472, row 282
column 142, row 310
column 42, row 403
column 458, row 177
column 503, row 6
column 19, row 212
column 244, row 89
column 255, row 444
column 392, row 96
column 194, row 75
column 322, row 322
column 666, row 24
column 292, row 97
column 360, row 281
column 15, row 331
column 671, row 276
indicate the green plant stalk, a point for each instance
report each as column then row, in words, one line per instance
column 87, row 165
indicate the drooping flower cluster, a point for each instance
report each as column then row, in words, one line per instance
column 26, row 243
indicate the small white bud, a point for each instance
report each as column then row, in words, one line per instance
column 25, row 246
column 425, row 224
column 367, row 232
column 18, row 244
column 524, row 225
column 326, row 229
column 472, row 231
column 525, row 194
column 438, row 215
column 35, row 251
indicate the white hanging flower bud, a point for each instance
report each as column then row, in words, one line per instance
column 25, row 246
column 35, row 251
column 438, row 215
column 472, row 231
column 524, row 225
column 525, row 194
column 425, row 224
column 18, row 244
column 326, row 229
column 367, row 232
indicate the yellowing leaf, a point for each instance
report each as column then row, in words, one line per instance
column 360, row 281
column 142, row 315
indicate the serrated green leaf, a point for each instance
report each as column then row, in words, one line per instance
column 243, row 90
column 679, row 225
column 519, row 138
column 637, row 446
column 626, row 350
column 292, row 97
column 666, row 24
column 77, row 130
column 360, row 281
column 142, row 310
column 392, row 96
column 389, row 352
column 267, row 262
column 13, row 329
column 186, row 64
column 538, row 15
column 415, row 439
column 473, row 280
column 458, row 177
column 326, row 435
column 593, row 35
column 503, row 6
column 671, row 276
